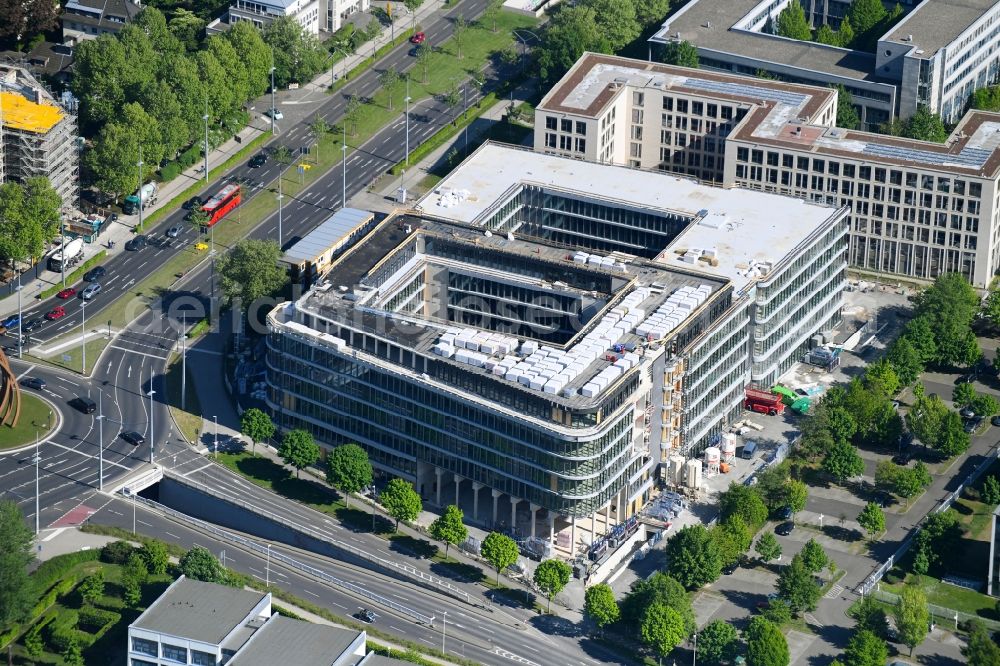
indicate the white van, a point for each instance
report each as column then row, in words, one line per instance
column 749, row 449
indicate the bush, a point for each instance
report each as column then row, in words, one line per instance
column 51, row 571
column 97, row 619
column 62, row 631
column 117, row 552
column 170, row 171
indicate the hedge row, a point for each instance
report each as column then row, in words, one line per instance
column 97, row 619
column 75, row 275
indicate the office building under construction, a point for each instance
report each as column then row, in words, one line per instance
column 37, row 135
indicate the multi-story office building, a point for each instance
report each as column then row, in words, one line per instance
column 550, row 329
column 919, row 209
column 935, row 56
column 313, row 15
column 37, row 136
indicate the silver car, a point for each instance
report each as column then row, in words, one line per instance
column 92, row 289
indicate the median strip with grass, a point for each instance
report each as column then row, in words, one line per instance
column 366, row 64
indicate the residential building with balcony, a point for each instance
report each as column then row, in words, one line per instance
column 314, row 16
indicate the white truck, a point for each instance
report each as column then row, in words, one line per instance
column 68, row 255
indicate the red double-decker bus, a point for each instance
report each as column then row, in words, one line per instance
column 224, row 201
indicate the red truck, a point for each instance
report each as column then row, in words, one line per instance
column 764, row 402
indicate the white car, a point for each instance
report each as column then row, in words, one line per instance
column 277, row 114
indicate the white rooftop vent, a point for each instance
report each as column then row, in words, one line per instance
column 714, row 220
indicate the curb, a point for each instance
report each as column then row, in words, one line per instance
column 56, row 428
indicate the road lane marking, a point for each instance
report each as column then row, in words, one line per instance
column 26, row 372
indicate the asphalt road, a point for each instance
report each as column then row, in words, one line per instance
column 301, row 213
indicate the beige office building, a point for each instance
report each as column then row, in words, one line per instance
column 918, row 209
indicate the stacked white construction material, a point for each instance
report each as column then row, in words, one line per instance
column 672, row 313
column 598, row 261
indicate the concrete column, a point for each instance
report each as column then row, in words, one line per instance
column 534, row 511
column 607, row 517
column 572, row 536
column 552, row 529
column 476, row 487
column 496, row 494
column 437, row 488
column 621, row 516
column 593, row 528
column 458, row 487
column 513, row 511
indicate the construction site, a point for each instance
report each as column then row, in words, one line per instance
column 38, row 136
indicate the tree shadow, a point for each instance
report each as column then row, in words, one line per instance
column 553, row 625
column 848, row 534
column 459, row 571
column 304, row 490
column 422, row 549
column 359, row 520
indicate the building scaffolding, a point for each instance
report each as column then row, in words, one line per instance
column 38, row 137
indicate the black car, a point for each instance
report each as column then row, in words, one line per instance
column 785, row 513
column 85, row 405
column 784, row 529
column 730, row 568
column 366, row 615
column 32, row 324
column 995, row 420
column 902, row 458
column 135, row 244
column 258, row 160
column 972, row 424
column 95, row 273
column 193, row 202
column 133, row 438
column 36, row 383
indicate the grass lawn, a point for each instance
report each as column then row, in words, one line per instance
column 35, row 420
column 186, row 416
column 949, row 596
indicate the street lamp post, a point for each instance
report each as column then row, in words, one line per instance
column 407, row 100
column 694, row 659
column 38, row 460
column 62, row 237
column 100, row 441
column 20, row 334
column 280, row 197
column 216, row 446
column 272, row 91
column 343, row 168
column 152, row 439
column 141, row 202
column 83, row 336
column 205, row 118
column 444, row 628
column 267, row 568
column 183, row 361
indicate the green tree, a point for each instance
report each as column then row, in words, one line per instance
column 600, row 606
column 926, row 419
column 952, row 440
column 492, row 11
column 980, row 650
column 134, row 574
column 500, row 551
column 718, row 642
column 186, row 26
column 826, row 35
column 984, row 405
column 116, row 552
column 797, row 586
column 572, row 30
column 155, row 555
column 866, row 15
column 352, row 112
column 257, row 426
column 991, row 306
column 778, row 611
column 661, row 588
column 881, row 379
column 692, row 557
column 814, row 557
column 963, row 394
column 949, row 306
column 651, row 12
column 551, row 576
column 870, row 616
column 797, row 495
column 766, row 645
column 986, row 99
column 681, row 54
column 913, row 618
column 255, row 55
column 401, row 501
column 390, row 81
column 199, row 564
column 450, row 529
column 99, row 76
column 925, row 126
column 792, row 22
column 298, row 449
column 459, row 32
column 617, row 20
column 33, row 643
column 990, row 492
column 662, row 629
column 250, row 272
column 866, row 649
column 905, row 361
column 846, row 34
column 319, row 127
column 349, row 470
column 21, row 236
column 72, row 656
column 298, row 55
column 16, row 555
column 872, row 519
column 91, row 589
column 425, row 53
column 842, row 462
column 732, row 539
column 743, row 501
column 922, row 336
column 768, row 547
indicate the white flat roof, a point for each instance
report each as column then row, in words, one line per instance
column 741, row 225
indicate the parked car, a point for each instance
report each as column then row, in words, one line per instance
column 902, row 458
column 133, row 438
column 785, row 513
column 277, row 114
column 258, row 160
column 58, row 312
column 784, row 529
column 418, row 38
column 972, row 424
column 36, row 383
column 95, row 274
column 730, row 568
column 174, row 231
column 966, row 413
column 93, row 289
column 995, row 420
column 11, row 321
column 68, row 292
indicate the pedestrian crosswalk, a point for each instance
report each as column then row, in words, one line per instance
column 834, row 592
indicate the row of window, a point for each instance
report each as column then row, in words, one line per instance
column 169, row 652
column 566, row 125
